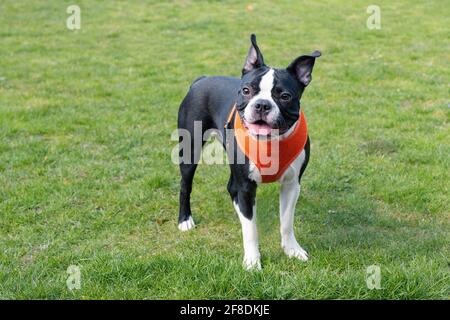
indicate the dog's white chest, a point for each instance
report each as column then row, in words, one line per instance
column 291, row 173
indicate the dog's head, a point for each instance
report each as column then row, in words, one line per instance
column 270, row 98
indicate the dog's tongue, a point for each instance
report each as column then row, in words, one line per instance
column 259, row 128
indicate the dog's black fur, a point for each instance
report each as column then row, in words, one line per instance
column 210, row 100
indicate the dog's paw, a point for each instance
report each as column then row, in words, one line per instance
column 293, row 249
column 187, row 224
column 252, row 263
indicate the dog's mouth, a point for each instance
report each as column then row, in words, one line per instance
column 260, row 128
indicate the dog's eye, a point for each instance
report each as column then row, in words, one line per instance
column 245, row 91
column 285, row 97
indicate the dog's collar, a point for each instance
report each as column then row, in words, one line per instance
column 271, row 156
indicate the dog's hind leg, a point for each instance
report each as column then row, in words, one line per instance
column 190, row 151
column 185, row 221
column 192, row 127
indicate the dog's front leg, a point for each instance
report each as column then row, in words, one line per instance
column 245, row 205
column 289, row 194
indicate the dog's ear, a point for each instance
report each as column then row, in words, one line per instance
column 302, row 67
column 254, row 58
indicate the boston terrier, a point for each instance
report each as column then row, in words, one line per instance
column 265, row 104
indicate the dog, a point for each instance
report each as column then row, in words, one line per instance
column 265, row 104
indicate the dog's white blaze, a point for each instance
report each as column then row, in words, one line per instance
column 250, row 239
column 265, row 92
column 266, row 85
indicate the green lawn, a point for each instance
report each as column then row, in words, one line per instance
column 85, row 171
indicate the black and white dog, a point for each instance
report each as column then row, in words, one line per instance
column 266, row 100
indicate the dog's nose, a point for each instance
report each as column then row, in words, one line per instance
column 263, row 106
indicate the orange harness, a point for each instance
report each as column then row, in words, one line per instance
column 271, row 156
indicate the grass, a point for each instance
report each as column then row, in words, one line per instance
column 85, row 171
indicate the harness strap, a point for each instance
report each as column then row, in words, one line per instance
column 230, row 117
